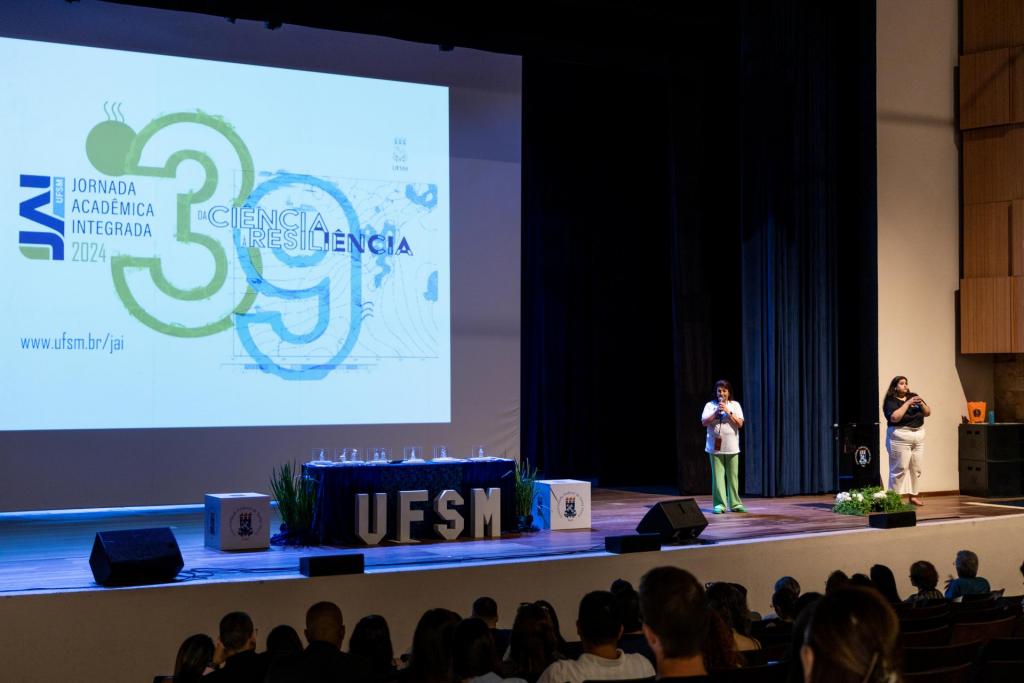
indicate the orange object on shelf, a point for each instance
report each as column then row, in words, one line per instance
column 976, row 412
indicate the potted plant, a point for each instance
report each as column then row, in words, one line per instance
column 885, row 509
column 525, row 479
column 296, row 500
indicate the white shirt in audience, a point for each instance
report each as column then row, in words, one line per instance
column 593, row 668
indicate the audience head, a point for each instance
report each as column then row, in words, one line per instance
column 837, row 579
column 486, row 608
column 237, row 633
column 473, row 652
column 923, row 575
column 731, row 604
column 675, row 612
column 627, row 604
column 784, row 603
column 719, row 650
column 790, row 583
column 807, row 600
column 532, row 643
column 852, row 636
column 598, row 622
column 862, row 580
column 324, row 624
column 371, row 642
column 432, row 646
column 966, row 564
column 549, row 609
column 284, row 640
column 885, row 582
column 194, row 655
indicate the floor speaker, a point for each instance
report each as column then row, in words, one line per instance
column 134, row 557
column 675, row 521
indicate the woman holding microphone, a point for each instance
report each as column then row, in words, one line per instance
column 723, row 419
column 904, row 412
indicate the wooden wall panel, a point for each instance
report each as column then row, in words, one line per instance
column 993, row 164
column 985, row 89
column 987, row 240
column 985, row 315
column 1017, row 237
column 991, row 24
column 1016, row 84
column 1017, row 314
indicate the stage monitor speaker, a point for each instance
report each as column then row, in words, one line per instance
column 133, row 557
column 676, row 521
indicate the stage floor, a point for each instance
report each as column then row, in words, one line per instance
column 48, row 552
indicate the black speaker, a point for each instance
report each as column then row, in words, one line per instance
column 674, row 520
column 135, row 556
column 332, row 565
column 634, row 543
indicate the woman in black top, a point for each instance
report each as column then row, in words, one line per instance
column 904, row 439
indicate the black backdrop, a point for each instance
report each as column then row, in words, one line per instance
column 699, row 202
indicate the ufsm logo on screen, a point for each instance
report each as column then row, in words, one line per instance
column 42, row 238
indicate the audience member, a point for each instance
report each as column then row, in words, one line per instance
column 474, row 659
column 837, row 579
column 371, row 642
column 790, row 583
column 283, row 641
column 549, row 609
column 676, row 619
column 719, row 651
column 322, row 660
column 967, row 582
column 486, row 609
column 532, row 644
column 924, row 578
column 599, row 627
column 627, row 604
column 431, row 660
column 729, row 602
column 851, row 637
column 862, row 581
column 194, row 657
column 885, row 583
column 237, row 643
column 804, row 601
column 784, row 603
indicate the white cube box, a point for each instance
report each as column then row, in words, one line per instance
column 237, row 521
column 561, row 504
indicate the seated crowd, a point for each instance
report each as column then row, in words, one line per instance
column 670, row 627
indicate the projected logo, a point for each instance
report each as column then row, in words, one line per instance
column 297, row 272
column 45, row 241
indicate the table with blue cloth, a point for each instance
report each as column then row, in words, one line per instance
column 338, row 484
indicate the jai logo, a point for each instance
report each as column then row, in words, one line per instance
column 570, row 507
column 862, row 456
column 46, row 241
column 246, row 522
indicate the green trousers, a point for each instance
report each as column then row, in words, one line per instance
column 725, row 480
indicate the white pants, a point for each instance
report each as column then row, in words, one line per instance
column 906, row 453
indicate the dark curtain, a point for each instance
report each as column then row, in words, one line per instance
column 804, row 184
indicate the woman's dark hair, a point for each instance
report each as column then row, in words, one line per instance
column 862, row 580
column 194, row 655
column 885, row 583
column 784, row 603
column 724, row 383
column 891, row 393
column 532, row 643
column 923, row 575
column 719, row 650
column 553, row 616
column 473, row 652
column 431, row 660
column 283, row 640
column 837, row 579
column 731, row 604
column 854, row 635
column 371, row 642
column 627, row 605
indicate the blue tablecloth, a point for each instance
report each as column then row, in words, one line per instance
column 337, row 486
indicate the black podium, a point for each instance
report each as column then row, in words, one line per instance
column 857, row 455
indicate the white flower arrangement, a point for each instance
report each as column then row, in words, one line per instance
column 867, row 500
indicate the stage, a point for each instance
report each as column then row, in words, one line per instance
column 45, row 577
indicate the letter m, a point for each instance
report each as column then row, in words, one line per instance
column 40, row 244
